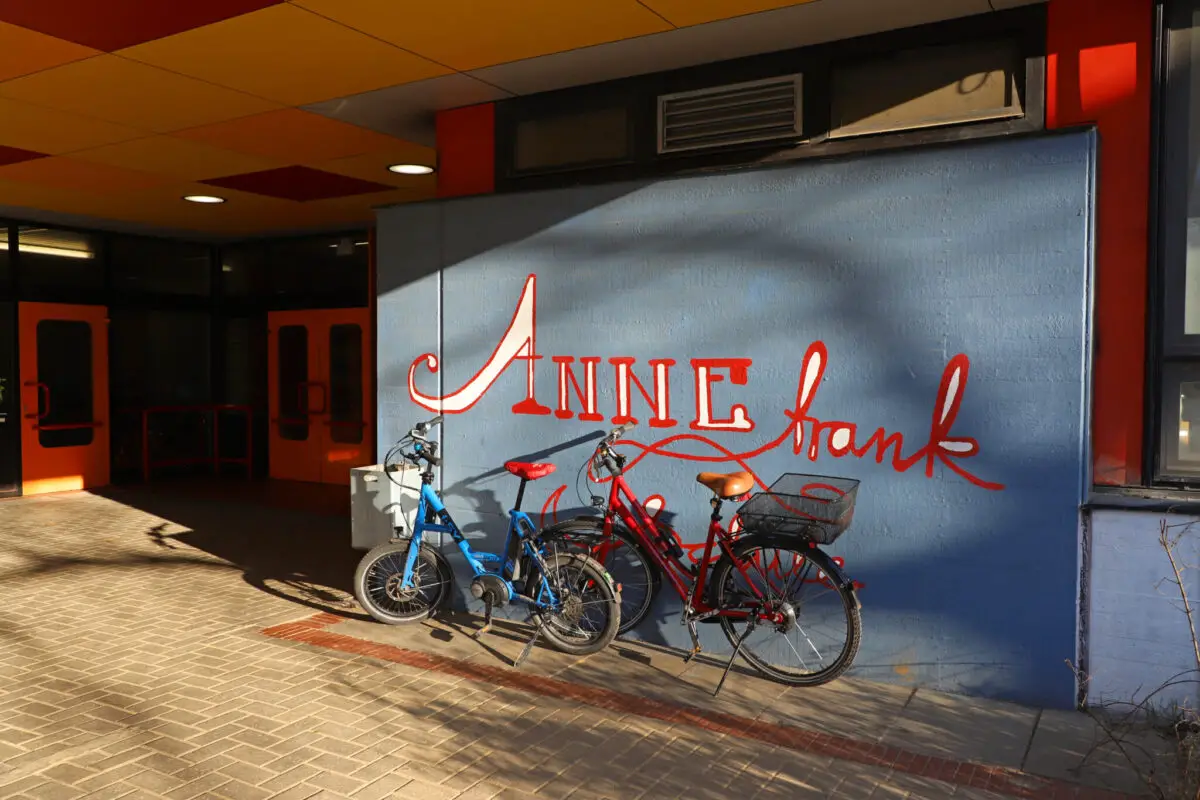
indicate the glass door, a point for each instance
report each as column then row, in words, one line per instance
column 10, row 403
column 295, row 397
column 64, row 397
column 319, row 398
column 348, row 435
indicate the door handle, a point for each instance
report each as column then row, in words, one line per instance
column 43, row 392
column 303, row 390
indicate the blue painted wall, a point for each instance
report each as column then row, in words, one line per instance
column 897, row 262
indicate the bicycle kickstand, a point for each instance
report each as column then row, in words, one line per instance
column 528, row 645
column 487, row 617
column 750, row 625
column 691, row 626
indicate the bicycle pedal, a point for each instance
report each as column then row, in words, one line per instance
column 477, row 635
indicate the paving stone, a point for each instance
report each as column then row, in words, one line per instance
column 135, row 619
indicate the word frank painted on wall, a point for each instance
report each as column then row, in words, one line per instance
column 577, row 382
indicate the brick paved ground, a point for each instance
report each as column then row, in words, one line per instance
column 133, row 663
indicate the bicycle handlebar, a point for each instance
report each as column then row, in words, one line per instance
column 619, row 431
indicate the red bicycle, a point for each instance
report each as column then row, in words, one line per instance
column 752, row 577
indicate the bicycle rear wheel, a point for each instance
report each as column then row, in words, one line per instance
column 588, row 613
column 790, row 578
column 622, row 556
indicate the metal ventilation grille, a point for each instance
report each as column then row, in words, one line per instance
column 757, row 111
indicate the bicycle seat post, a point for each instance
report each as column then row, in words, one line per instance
column 715, row 502
column 520, row 495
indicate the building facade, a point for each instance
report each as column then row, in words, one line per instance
column 979, row 230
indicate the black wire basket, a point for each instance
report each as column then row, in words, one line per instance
column 818, row 508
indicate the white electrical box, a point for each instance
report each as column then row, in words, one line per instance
column 380, row 501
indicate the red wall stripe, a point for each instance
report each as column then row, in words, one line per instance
column 1098, row 71
column 466, row 145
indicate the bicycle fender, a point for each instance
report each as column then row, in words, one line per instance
column 576, row 528
column 818, row 556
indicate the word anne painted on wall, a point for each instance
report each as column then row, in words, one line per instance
column 805, row 431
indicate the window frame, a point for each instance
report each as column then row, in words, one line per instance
column 1173, row 355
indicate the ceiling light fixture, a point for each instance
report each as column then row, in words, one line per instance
column 411, row 169
column 42, row 250
column 203, row 198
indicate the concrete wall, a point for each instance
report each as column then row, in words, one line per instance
column 1138, row 637
column 944, row 292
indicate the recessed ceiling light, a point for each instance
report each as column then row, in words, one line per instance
column 203, row 198
column 411, row 169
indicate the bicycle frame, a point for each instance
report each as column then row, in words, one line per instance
column 688, row 585
column 432, row 516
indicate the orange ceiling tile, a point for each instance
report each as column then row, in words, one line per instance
column 50, row 198
column 292, row 135
column 48, row 131
column 23, row 51
column 175, row 157
column 695, row 12
column 374, row 167
column 118, row 90
column 469, row 34
column 287, row 54
column 63, row 172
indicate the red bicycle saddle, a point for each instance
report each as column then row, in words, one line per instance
column 529, row 472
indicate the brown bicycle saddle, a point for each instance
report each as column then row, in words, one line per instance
column 727, row 486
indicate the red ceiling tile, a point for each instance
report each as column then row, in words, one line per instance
column 298, row 183
column 114, row 24
column 15, row 155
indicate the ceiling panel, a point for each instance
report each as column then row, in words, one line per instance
column 15, row 155
column 297, row 183
column 468, row 34
column 782, row 29
column 697, row 12
column 63, row 172
column 23, row 51
column 46, row 130
column 117, row 90
column 181, row 159
column 34, row 196
column 291, row 135
column 408, row 111
column 286, row 54
column 113, row 24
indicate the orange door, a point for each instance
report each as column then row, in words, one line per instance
column 64, row 397
column 319, row 375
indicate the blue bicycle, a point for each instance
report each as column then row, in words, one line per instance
column 572, row 599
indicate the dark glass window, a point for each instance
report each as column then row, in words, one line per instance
column 5, row 259
column 926, row 87
column 293, row 382
column 346, row 384
column 160, row 266
column 1179, row 231
column 65, row 383
column 244, row 272
column 327, row 265
column 55, row 261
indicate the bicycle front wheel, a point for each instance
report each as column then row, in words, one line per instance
column 821, row 626
column 588, row 613
column 378, row 583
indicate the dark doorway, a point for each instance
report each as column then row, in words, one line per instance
column 10, row 405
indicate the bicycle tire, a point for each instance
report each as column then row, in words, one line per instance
column 590, row 568
column 426, row 556
column 584, row 534
column 849, row 604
